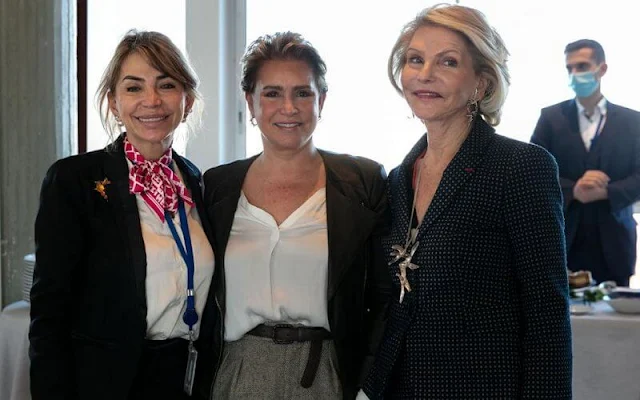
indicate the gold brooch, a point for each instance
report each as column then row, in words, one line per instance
column 101, row 187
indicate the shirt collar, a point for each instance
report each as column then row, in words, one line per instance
column 601, row 106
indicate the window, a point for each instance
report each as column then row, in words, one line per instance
column 363, row 115
column 362, row 111
column 107, row 22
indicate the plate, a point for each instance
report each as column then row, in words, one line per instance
column 624, row 305
column 624, row 292
column 580, row 309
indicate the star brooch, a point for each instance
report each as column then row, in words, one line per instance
column 101, row 187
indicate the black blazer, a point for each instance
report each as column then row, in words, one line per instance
column 88, row 301
column 616, row 153
column 488, row 315
column 358, row 287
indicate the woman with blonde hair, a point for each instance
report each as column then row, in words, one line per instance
column 476, row 247
column 124, row 263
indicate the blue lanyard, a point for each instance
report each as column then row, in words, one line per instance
column 190, row 316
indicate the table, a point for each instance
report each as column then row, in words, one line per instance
column 14, row 352
column 606, row 355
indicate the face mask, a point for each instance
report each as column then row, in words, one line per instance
column 584, row 83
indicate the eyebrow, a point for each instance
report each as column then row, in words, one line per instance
column 138, row 79
column 277, row 87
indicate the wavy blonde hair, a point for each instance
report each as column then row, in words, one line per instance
column 488, row 52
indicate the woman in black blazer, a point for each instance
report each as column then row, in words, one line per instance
column 476, row 246
column 123, row 264
column 300, row 282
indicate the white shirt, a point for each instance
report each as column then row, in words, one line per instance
column 166, row 283
column 277, row 273
column 593, row 123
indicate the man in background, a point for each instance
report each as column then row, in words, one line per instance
column 597, row 147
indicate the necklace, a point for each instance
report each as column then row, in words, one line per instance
column 406, row 252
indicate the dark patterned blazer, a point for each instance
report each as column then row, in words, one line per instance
column 487, row 317
column 616, row 153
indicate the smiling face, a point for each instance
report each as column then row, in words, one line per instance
column 286, row 104
column 150, row 104
column 438, row 77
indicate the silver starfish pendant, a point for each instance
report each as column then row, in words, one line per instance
column 405, row 254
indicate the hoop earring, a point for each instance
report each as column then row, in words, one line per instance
column 472, row 106
column 253, row 121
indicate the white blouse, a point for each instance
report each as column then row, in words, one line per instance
column 166, row 282
column 277, row 273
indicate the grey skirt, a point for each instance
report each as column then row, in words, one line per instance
column 258, row 368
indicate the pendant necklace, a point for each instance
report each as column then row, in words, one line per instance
column 406, row 252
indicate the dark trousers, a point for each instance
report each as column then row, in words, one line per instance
column 161, row 372
column 586, row 254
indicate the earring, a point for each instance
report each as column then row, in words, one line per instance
column 118, row 120
column 472, row 106
column 253, row 121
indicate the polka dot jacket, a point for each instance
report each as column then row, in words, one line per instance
column 487, row 317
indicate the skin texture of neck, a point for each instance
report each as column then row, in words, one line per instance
column 445, row 138
column 288, row 163
column 590, row 103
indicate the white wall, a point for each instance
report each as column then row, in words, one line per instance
column 215, row 39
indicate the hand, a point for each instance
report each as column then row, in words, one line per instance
column 587, row 194
column 594, row 178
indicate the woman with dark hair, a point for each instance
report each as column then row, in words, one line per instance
column 300, row 279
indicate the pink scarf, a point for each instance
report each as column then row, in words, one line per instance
column 155, row 181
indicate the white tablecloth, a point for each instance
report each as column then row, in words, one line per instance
column 14, row 352
column 606, row 355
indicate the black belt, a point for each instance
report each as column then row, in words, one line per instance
column 287, row 334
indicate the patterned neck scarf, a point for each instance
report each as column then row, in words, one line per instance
column 155, row 181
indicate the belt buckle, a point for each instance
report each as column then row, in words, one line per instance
column 275, row 333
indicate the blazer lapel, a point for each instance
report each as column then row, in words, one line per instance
column 348, row 225
column 606, row 136
column 193, row 181
column 126, row 214
column 222, row 212
column 570, row 111
column 461, row 169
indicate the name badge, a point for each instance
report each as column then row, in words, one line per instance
column 190, row 373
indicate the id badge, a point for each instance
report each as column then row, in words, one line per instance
column 190, row 373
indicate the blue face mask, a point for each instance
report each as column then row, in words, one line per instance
column 584, row 83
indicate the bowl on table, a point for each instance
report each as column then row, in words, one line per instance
column 624, row 300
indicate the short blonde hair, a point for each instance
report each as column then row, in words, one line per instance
column 163, row 55
column 487, row 49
